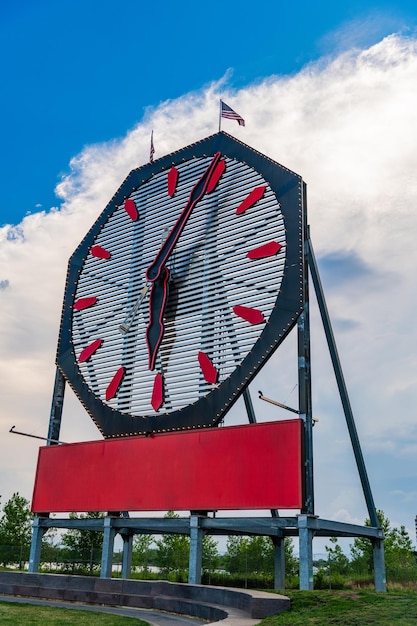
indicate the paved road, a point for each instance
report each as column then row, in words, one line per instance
column 154, row 618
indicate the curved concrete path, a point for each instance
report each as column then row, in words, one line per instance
column 158, row 602
column 154, row 618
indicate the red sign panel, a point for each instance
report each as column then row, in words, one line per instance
column 256, row 466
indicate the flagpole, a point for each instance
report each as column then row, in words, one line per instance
column 220, row 115
column 151, row 149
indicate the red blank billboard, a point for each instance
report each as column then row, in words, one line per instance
column 255, row 466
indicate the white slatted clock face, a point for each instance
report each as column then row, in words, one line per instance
column 175, row 286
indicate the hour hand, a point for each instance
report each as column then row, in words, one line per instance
column 157, row 303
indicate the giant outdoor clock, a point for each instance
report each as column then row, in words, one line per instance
column 188, row 281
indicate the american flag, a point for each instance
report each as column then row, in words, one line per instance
column 228, row 113
column 152, row 150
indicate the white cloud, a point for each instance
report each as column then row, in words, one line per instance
column 348, row 127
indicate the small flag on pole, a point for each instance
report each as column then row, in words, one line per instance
column 228, row 113
column 152, row 150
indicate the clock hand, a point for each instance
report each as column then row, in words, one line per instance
column 157, row 303
column 128, row 321
column 200, row 188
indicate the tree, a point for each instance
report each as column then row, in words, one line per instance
column 255, row 555
column 211, row 557
column 398, row 549
column 83, row 546
column 15, row 530
column 337, row 562
column 172, row 553
column 291, row 561
column 140, row 550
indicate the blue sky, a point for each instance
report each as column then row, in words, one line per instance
column 83, row 72
column 326, row 89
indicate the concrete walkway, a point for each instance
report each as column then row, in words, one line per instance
column 154, row 618
column 160, row 603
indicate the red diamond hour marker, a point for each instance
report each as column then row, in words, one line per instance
column 89, row 350
column 131, row 210
column 253, row 316
column 215, row 177
column 255, row 195
column 84, row 303
column 210, row 373
column 268, row 249
column 114, row 386
column 158, row 392
column 100, row 252
column 172, row 181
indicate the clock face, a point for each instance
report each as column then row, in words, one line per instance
column 185, row 285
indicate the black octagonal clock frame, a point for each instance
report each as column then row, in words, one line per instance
column 223, row 225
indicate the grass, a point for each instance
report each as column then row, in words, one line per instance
column 348, row 608
column 13, row 614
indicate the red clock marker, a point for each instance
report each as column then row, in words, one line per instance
column 84, row 303
column 131, row 210
column 255, row 195
column 158, row 392
column 216, row 175
column 89, row 350
column 253, row 316
column 100, row 252
column 210, row 372
column 268, row 249
column 114, row 386
column 172, row 181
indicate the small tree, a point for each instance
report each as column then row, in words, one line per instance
column 211, row 557
column 83, row 546
column 15, row 530
column 338, row 562
column 255, row 555
column 172, row 553
column 398, row 550
column 291, row 561
column 140, row 551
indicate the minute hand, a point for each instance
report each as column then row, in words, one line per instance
column 154, row 270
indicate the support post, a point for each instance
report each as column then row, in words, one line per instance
column 279, row 562
column 38, row 531
column 304, row 377
column 196, row 551
column 379, row 565
column 55, row 417
column 127, row 555
column 249, row 406
column 108, row 547
column 306, row 553
column 337, row 368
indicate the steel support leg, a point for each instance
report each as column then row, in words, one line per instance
column 127, row 555
column 108, row 548
column 304, row 377
column 196, row 551
column 249, row 406
column 337, row 368
column 279, row 562
column 36, row 544
column 57, row 404
column 306, row 553
column 379, row 565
